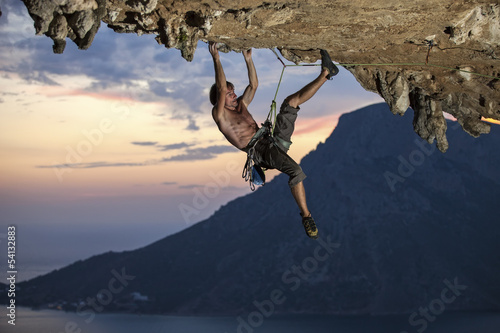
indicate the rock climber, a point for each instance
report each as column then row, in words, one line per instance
column 233, row 119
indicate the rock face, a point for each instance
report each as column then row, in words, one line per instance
column 423, row 53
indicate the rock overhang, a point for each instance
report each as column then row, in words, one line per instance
column 434, row 56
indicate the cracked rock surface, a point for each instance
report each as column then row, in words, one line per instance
column 428, row 51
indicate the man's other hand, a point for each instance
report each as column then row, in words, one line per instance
column 247, row 54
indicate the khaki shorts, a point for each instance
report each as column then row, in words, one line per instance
column 269, row 156
column 285, row 124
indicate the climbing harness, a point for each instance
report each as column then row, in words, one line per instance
column 253, row 173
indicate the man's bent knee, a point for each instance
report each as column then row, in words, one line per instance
column 292, row 100
column 296, row 178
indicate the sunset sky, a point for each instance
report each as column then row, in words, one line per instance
column 113, row 147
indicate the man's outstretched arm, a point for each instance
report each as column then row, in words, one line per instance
column 252, row 78
column 220, row 80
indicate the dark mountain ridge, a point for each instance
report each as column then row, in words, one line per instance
column 399, row 223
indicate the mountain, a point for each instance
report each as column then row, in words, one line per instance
column 402, row 226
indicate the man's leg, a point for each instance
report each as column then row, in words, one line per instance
column 308, row 91
column 284, row 130
column 299, row 194
column 328, row 71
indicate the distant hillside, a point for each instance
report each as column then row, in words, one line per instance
column 400, row 222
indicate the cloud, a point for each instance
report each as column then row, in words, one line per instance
column 194, row 154
column 160, row 88
column 192, row 125
column 174, row 146
column 189, row 187
column 91, row 165
column 194, row 186
column 169, row 183
column 197, row 154
column 313, row 125
column 38, row 77
column 144, row 143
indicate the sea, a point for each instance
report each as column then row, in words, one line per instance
column 52, row 321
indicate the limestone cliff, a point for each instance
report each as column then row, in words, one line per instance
column 428, row 51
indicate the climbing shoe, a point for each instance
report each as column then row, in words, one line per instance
column 327, row 63
column 310, row 226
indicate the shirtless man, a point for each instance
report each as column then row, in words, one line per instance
column 238, row 126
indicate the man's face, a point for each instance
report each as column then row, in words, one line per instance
column 231, row 98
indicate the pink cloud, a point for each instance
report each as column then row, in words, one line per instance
column 312, row 125
column 60, row 91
